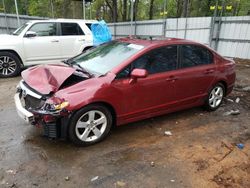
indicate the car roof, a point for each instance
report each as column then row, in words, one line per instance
column 148, row 42
column 64, row 20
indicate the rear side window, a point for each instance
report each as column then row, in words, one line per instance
column 71, row 29
column 89, row 25
column 194, row 56
column 44, row 29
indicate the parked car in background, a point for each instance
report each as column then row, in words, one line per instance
column 43, row 41
column 120, row 82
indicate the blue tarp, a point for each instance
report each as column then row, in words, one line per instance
column 101, row 33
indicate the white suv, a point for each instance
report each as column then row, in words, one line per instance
column 43, row 41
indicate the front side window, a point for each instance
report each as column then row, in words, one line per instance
column 195, row 55
column 44, row 29
column 71, row 29
column 125, row 73
column 156, row 61
column 159, row 60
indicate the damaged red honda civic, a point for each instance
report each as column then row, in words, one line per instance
column 119, row 82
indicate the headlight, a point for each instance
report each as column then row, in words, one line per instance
column 56, row 107
column 61, row 106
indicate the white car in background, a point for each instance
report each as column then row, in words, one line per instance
column 43, row 41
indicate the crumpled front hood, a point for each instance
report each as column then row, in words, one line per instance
column 47, row 78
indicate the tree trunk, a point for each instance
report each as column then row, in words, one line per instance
column 124, row 12
column 185, row 8
column 111, row 9
column 151, row 7
column 135, row 9
column 178, row 8
column 115, row 11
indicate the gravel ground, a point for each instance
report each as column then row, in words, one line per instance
column 202, row 151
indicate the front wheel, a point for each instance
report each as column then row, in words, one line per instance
column 215, row 97
column 10, row 65
column 90, row 125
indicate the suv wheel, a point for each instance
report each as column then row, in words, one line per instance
column 215, row 97
column 90, row 125
column 10, row 64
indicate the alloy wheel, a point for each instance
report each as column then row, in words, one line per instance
column 216, row 96
column 91, row 126
column 7, row 65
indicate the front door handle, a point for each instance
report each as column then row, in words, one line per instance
column 55, row 40
column 209, row 71
column 81, row 40
column 171, row 79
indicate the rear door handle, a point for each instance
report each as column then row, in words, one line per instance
column 55, row 40
column 171, row 79
column 209, row 71
column 81, row 40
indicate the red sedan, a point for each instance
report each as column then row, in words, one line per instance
column 120, row 82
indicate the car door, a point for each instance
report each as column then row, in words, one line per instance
column 72, row 39
column 44, row 47
column 153, row 94
column 195, row 74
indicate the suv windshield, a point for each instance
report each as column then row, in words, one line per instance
column 20, row 29
column 104, row 58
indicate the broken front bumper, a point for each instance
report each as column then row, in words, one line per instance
column 21, row 111
column 56, row 129
column 54, row 123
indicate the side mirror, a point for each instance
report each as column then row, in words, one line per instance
column 30, row 34
column 138, row 73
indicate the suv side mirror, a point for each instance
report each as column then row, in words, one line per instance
column 138, row 73
column 30, row 34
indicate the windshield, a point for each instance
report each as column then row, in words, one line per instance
column 104, row 58
column 20, row 29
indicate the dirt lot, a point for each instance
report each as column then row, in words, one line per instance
column 202, row 151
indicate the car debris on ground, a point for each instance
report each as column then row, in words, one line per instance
column 94, row 178
column 12, row 172
column 232, row 112
column 152, row 163
column 237, row 100
column 246, row 88
column 240, row 146
column 229, row 100
column 66, row 178
column 168, row 133
column 120, row 183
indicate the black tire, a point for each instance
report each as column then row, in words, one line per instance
column 78, row 115
column 208, row 106
column 15, row 66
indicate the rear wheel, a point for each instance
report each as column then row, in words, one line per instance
column 10, row 65
column 215, row 97
column 90, row 125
